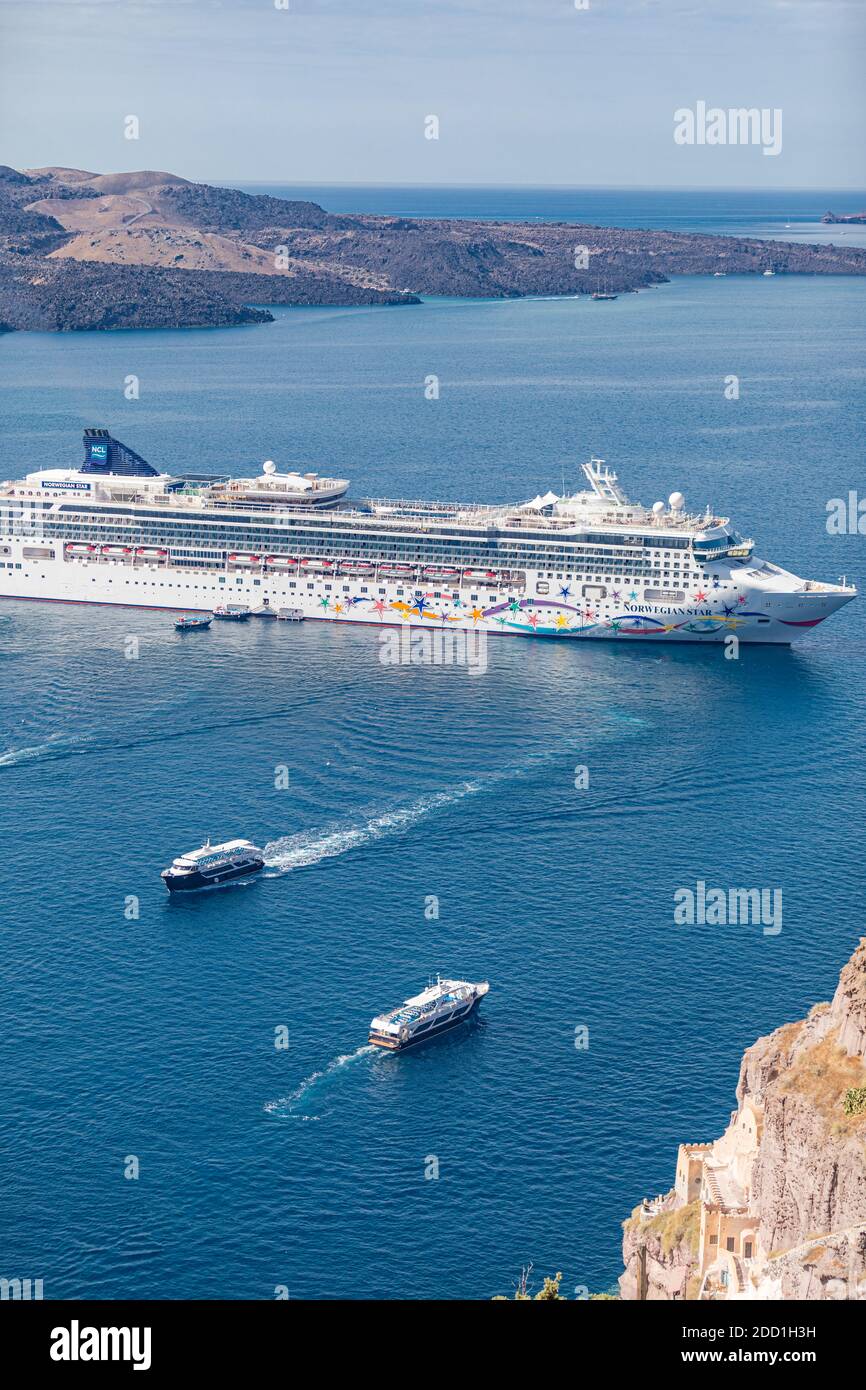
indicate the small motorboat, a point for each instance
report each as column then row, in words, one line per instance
column 191, row 623
column 290, row 615
column 264, row 612
column 229, row 613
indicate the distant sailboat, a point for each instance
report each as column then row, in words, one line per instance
column 600, row 293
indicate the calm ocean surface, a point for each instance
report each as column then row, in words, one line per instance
column 155, row 1037
column 786, row 214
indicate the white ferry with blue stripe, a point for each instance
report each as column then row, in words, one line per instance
column 587, row 565
column 441, row 1006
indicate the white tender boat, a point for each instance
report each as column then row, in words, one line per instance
column 437, row 1008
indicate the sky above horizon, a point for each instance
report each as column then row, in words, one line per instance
column 524, row 91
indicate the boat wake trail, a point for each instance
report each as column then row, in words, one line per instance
column 307, row 847
column 310, row 847
column 296, row 1105
column 55, row 747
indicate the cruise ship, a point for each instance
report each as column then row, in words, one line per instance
column 437, row 1008
column 587, row 565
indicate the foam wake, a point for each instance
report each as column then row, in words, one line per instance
column 310, row 847
column 55, row 747
column 298, row 1103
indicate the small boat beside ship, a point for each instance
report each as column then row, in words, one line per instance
column 290, row 615
column 189, row 623
column 439, row 1007
column 212, row 865
column 232, row 613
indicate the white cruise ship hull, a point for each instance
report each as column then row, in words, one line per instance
column 755, row 603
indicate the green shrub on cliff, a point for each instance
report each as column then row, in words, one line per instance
column 549, row 1290
column 682, row 1226
column 855, row 1100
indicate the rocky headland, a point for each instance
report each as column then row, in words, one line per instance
column 149, row 249
column 844, row 217
column 776, row 1207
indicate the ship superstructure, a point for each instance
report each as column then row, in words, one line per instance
column 590, row 564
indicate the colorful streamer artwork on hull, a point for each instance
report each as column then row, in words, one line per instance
column 524, row 615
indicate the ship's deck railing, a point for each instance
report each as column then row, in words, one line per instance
column 241, row 485
column 383, row 513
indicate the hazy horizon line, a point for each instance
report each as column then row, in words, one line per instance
column 567, row 187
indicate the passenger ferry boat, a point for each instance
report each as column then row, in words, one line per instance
column 189, row 623
column 212, row 865
column 437, row 1008
column 588, row 565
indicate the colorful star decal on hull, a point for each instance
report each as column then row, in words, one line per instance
column 561, row 620
column 632, row 595
column 700, row 596
column 565, row 591
column 379, row 607
column 742, row 598
column 534, row 619
column 476, row 615
column 325, row 603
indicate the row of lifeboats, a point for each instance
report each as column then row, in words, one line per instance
column 360, row 568
column 116, row 552
column 446, row 574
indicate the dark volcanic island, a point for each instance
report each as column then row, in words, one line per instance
column 151, row 250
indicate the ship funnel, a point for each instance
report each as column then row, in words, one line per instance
column 105, row 455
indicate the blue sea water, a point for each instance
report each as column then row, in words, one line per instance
column 787, row 214
column 154, row 1037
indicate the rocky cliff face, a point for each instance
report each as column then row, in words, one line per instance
column 175, row 253
column 803, row 1201
column 660, row 1248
